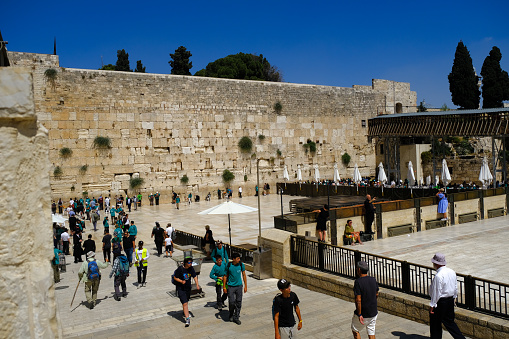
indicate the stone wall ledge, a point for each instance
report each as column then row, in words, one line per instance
column 472, row 324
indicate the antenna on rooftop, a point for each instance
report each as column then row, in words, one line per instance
column 55, row 46
column 4, row 61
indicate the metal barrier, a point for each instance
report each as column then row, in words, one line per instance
column 476, row 294
column 184, row 238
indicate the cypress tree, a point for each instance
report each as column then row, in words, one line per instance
column 179, row 63
column 122, row 61
column 463, row 80
column 139, row 67
column 495, row 81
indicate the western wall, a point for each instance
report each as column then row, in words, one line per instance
column 163, row 127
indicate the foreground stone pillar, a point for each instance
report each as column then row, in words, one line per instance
column 27, row 298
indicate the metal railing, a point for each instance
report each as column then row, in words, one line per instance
column 474, row 293
column 184, row 238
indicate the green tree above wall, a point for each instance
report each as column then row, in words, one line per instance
column 242, row 66
column 122, row 61
column 179, row 63
column 139, row 67
column 495, row 81
column 463, row 80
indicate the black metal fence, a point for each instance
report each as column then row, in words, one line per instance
column 184, row 238
column 473, row 293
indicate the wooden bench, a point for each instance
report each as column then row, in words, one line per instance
column 467, row 217
column 496, row 212
column 437, row 223
column 400, row 230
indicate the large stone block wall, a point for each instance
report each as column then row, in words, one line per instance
column 165, row 126
column 27, row 300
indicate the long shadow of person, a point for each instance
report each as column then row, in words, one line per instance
column 402, row 335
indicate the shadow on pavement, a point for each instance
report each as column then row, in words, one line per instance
column 403, row 335
column 179, row 315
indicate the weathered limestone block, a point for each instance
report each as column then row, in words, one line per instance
column 27, row 298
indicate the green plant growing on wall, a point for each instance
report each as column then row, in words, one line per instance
column 272, row 160
column 253, row 156
column 245, row 177
column 278, row 107
column 135, row 183
column 65, row 152
column 83, row 169
column 245, row 144
column 228, row 176
column 73, row 188
column 51, row 75
column 85, row 194
column 345, row 159
column 57, row 172
column 261, row 137
column 279, row 153
column 102, row 142
column 310, row 146
column 184, row 180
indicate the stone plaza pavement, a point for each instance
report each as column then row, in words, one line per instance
column 151, row 312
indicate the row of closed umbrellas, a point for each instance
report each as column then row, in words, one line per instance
column 485, row 175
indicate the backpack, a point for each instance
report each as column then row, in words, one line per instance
column 173, row 281
column 274, row 301
column 123, row 269
column 93, row 270
column 117, row 235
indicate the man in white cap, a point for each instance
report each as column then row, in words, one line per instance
column 89, row 274
column 443, row 291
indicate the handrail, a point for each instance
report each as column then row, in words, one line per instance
column 477, row 294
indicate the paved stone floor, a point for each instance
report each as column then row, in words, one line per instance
column 151, row 312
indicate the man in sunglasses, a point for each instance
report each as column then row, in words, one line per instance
column 182, row 276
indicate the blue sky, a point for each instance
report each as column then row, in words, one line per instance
column 333, row 43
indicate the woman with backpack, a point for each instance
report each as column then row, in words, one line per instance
column 121, row 271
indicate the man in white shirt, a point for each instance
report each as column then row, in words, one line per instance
column 65, row 242
column 443, row 291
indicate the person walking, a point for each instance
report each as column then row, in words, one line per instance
column 89, row 245
column 158, row 235
column 107, row 245
column 369, row 210
column 121, row 271
column 141, row 257
column 89, row 273
column 55, row 262
column 217, row 273
column 156, row 196
column 177, row 201
column 77, row 239
column 443, row 292
column 182, row 276
column 129, row 245
column 365, row 289
column 235, row 273
column 283, row 306
column 133, row 230
column 65, row 241
column 220, row 250
column 240, row 191
column 321, row 222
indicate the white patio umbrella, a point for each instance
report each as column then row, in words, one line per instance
column 299, row 176
column 299, row 173
column 485, row 175
column 285, row 175
column 229, row 207
column 421, row 181
column 382, row 177
column 58, row 219
column 446, row 176
column 428, row 180
column 437, row 180
column 410, row 174
column 317, row 174
column 357, row 176
column 336, row 173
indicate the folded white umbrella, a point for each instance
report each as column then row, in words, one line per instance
column 446, row 176
column 336, row 173
column 428, row 180
column 437, row 180
column 285, row 175
column 299, row 173
column 382, row 177
column 356, row 175
column 485, row 175
column 422, row 181
column 229, row 207
column 410, row 174
column 317, row 174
